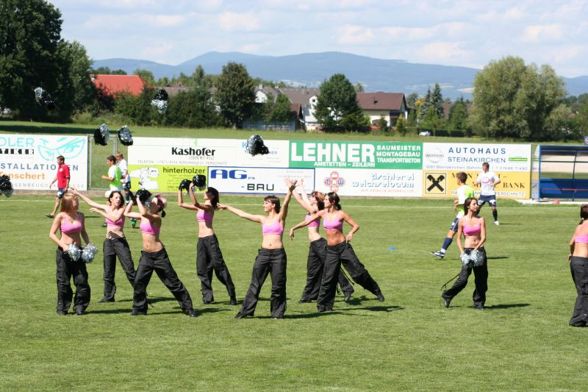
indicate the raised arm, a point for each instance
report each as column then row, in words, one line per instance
column 302, row 198
column 240, row 213
column 284, row 210
column 86, row 199
column 185, row 205
column 129, row 214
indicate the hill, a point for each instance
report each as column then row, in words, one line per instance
column 311, row 69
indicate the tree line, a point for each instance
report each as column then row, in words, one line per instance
column 510, row 99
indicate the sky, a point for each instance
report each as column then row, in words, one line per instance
column 461, row 33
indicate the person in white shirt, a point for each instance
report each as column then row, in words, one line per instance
column 488, row 181
column 125, row 180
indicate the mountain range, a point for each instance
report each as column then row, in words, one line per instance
column 311, row 69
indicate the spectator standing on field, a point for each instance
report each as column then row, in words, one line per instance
column 62, row 178
column 488, row 181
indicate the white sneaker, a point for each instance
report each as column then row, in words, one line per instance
column 438, row 254
column 497, row 223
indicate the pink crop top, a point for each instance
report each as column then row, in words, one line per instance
column 204, row 216
column 117, row 224
column 74, row 227
column 333, row 224
column 147, row 228
column 275, row 228
column 581, row 239
column 472, row 230
column 314, row 223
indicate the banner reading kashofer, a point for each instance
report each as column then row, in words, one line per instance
column 204, row 152
column 378, row 182
column 30, row 160
column 442, row 161
column 257, row 179
column 356, row 155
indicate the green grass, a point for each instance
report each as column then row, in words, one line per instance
column 521, row 342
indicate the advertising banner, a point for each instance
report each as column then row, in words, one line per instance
column 510, row 162
column 469, row 156
column 30, row 160
column 162, row 178
column 204, row 152
column 384, row 182
column 255, row 180
column 439, row 183
column 356, row 155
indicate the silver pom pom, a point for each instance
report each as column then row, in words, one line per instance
column 74, row 252
column 477, row 257
column 89, row 252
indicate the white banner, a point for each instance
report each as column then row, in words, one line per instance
column 256, row 179
column 469, row 156
column 204, row 152
column 383, row 182
column 30, row 160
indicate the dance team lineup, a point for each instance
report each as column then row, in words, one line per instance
column 332, row 261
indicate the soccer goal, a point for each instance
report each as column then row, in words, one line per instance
column 563, row 172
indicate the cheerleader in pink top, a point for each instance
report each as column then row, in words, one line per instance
column 209, row 257
column 271, row 258
column 339, row 251
column 115, row 243
column 579, row 267
column 472, row 228
column 70, row 223
column 317, row 249
column 154, row 258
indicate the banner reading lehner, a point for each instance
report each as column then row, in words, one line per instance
column 358, row 155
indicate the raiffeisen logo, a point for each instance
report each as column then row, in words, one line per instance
column 198, row 152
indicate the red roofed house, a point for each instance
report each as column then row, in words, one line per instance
column 117, row 84
column 389, row 106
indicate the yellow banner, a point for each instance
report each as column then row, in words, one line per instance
column 443, row 184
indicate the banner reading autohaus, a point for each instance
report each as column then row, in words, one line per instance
column 355, row 155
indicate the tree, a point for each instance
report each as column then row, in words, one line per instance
column 337, row 108
column 146, row 76
column 458, row 117
column 514, row 100
column 75, row 88
column 436, row 100
column 280, row 110
column 29, row 36
column 107, row 71
column 193, row 108
column 235, row 94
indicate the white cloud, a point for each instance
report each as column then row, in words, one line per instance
column 354, row 35
column 542, row 33
column 442, row 52
column 235, row 22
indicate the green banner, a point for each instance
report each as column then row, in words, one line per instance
column 358, row 155
column 162, row 178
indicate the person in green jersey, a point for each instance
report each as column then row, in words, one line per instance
column 463, row 192
column 114, row 175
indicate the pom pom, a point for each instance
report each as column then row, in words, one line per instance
column 89, row 252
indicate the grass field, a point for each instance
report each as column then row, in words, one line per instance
column 410, row 342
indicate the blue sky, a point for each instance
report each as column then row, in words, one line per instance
column 465, row 33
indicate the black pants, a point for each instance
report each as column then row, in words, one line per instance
column 336, row 255
column 113, row 248
column 579, row 268
column 158, row 262
column 66, row 269
column 481, row 280
column 317, row 253
column 209, row 258
column 268, row 261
